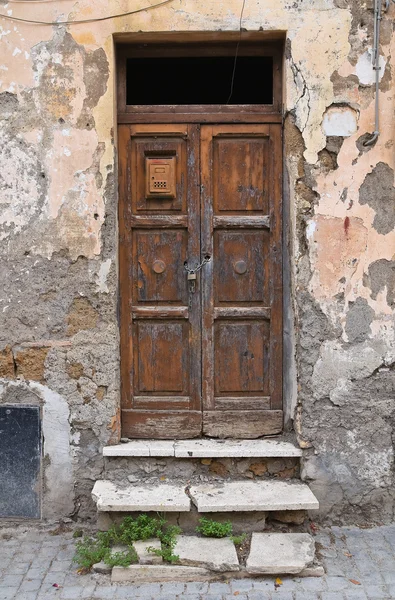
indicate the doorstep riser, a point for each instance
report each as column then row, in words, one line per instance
column 243, row 522
column 141, row 469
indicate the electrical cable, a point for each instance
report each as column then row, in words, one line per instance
column 32, row 1
column 376, row 67
column 236, row 54
column 93, row 20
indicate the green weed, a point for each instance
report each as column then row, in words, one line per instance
column 211, row 528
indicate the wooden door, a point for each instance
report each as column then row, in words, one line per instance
column 208, row 362
column 160, row 325
column 242, row 300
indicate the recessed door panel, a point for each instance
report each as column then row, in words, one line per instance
column 161, row 357
column 158, row 257
column 241, row 358
column 241, row 279
column 240, row 174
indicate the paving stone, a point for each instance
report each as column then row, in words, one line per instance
column 252, row 495
column 11, row 580
column 153, row 573
column 355, row 594
column 283, row 595
column 376, row 591
column 276, row 553
column 148, row 590
column 104, row 591
column 337, row 583
column 77, row 592
column 316, row 584
column 332, row 596
column 145, row 557
column 174, row 588
column 219, row 587
column 196, row 587
column 164, row 497
column 30, row 585
column 306, row 596
column 242, row 585
column 8, row 593
column 216, row 554
column 27, row 595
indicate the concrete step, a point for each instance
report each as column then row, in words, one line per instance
column 235, row 496
column 204, row 448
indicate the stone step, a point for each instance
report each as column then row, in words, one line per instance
column 269, row 554
column 270, row 495
column 235, row 496
column 204, row 448
column 164, row 497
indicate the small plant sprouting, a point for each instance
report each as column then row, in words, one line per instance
column 168, row 540
column 121, row 559
column 91, row 550
column 238, row 540
column 211, row 528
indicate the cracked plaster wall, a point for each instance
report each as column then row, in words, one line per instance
column 59, row 236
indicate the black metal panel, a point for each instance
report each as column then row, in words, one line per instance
column 20, row 453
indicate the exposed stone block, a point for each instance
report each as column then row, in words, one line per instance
column 152, row 573
column 276, row 553
column 30, row 363
column 211, row 553
column 7, row 368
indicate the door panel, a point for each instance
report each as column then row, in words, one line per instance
column 241, row 291
column 160, row 330
column 156, row 267
column 241, row 277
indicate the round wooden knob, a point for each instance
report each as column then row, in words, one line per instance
column 240, row 267
column 158, row 266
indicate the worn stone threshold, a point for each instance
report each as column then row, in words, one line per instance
column 204, row 448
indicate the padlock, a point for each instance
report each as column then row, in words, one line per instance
column 191, row 276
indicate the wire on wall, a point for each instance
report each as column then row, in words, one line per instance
column 93, row 20
column 236, row 54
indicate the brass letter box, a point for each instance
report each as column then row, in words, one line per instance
column 160, row 177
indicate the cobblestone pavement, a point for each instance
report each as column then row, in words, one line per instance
column 359, row 563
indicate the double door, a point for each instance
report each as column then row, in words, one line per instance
column 201, row 348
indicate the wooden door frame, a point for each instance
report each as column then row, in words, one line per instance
column 180, row 44
column 200, row 44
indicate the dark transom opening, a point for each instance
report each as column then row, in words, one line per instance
column 196, row 80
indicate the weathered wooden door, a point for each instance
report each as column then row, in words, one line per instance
column 201, row 356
